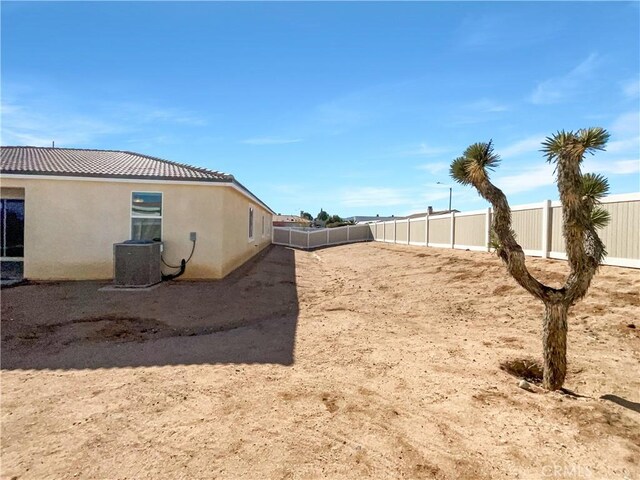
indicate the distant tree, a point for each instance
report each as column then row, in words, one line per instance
column 322, row 216
column 581, row 216
column 306, row 216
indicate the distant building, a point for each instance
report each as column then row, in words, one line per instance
column 290, row 221
column 368, row 219
column 430, row 211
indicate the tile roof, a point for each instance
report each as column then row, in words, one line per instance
column 100, row 163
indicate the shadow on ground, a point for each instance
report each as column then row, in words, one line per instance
column 623, row 402
column 248, row 317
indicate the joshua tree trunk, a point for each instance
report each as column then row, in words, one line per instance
column 554, row 344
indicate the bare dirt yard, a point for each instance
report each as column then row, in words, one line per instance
column 368, row 360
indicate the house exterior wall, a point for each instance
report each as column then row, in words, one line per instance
column 237, row 248
column 71, row 225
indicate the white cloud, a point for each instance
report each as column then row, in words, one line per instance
column 487, row 106
column 558, row 89
column 33, row 126
column 424, row 150
column 271, row 141
column 39, row 120
column 631, row 88
column 339, row 116
column 434, row 167
column 375, row 197
column 528, row 145
column 529, row 179
column 624, row 145
column 626, row 124
column 612, row 167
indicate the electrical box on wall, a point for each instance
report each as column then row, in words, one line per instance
column 192, row 236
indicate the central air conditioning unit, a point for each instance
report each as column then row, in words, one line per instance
column 136, row 263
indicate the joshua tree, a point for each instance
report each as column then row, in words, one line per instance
column 579, row 194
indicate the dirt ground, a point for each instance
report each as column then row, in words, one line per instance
column 367, row 360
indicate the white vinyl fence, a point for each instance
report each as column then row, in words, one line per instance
column 538, row 229
column 322, row 237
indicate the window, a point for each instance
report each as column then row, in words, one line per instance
column 250, row 223
column 146, row 216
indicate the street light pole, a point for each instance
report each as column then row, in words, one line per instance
column 450, row 191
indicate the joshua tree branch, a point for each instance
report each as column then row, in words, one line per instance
column 511, row 252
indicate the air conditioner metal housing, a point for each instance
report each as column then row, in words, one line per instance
column 136, row 263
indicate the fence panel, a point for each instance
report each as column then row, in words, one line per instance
column 389, row 231
column 360, row 233
column 317, row 238
column 538, row 229
column 314, row 238
column 470, row 231
column 622, row 235
column 417, row 232
column 299, row 238
column 557, row 241
column 402, row 232
column 379, row 237
column 281, row 235
column 337, row 235
column 527, row 225
column 440, row 231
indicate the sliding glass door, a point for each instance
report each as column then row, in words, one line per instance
column 12, row 237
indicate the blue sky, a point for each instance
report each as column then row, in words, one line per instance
column 357, row 108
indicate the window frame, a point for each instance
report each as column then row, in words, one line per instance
column 132, row 216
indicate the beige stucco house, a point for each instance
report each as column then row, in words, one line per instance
column 73, row 205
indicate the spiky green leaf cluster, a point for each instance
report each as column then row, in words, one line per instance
column 594, row 187
column 599, row 217
column 574, row 144
column 472, row 167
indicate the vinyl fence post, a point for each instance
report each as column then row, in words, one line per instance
column 453, row 229
column 426, row 230
column 395, row 231
column 308, row 235
column 347, row 233
column 408, row 230
column 289, row 236
column 546, row 240
column 327, row 236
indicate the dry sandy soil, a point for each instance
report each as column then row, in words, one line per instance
column 367, row 360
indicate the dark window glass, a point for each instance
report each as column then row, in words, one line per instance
column 146, row 204
column 12, row 219
column 251, row 223
column 146, row 229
